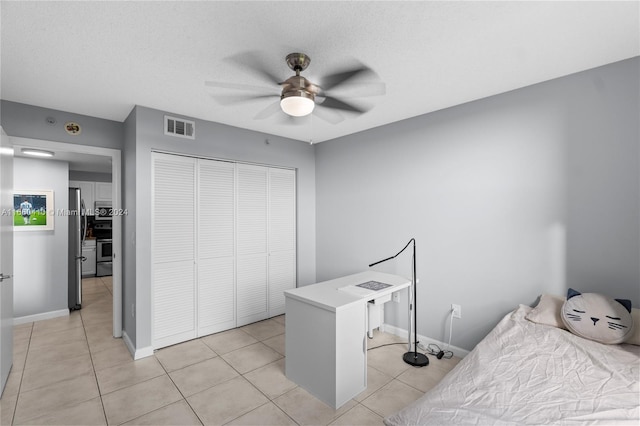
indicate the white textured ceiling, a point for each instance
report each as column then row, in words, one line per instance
column 102, row 58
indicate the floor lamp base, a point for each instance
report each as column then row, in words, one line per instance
column 416, row 359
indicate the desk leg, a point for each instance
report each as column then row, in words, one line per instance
column 374, row 318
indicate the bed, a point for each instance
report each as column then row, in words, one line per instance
column 529, row 373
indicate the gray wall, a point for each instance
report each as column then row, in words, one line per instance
column 527, row 192
column 89, row 176
column 217, row 141
column 28, row 121
column 603, row 200
column 129, row 225
column 40, row 257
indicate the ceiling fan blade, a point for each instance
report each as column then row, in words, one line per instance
column 297, row 121
column 362, row 90
column 331, row 116
column 253, row 63
column 238, row 99
column 269, row 111
column 331, row 102
column 334, row 80
column 236, row 86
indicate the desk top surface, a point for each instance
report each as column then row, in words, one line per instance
column 341, row 292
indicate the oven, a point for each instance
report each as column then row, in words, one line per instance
column 104, row 257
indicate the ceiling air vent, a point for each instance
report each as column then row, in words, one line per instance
column 179, row 127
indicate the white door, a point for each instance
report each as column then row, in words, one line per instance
column 216, row 246
column 251, row 223
column 282, row 237
column 173, row 249
column 6, row 258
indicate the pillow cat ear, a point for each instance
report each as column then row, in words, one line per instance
column 626, row 303
column 572, row 293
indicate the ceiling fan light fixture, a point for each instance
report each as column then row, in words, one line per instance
column 297, row 103
column 298, row 95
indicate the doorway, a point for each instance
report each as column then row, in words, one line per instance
column 114, row 156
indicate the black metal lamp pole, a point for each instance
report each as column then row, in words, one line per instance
column 411, row 357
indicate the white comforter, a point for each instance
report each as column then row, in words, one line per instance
column 526, row 373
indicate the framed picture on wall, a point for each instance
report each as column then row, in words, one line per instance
column 33, row 210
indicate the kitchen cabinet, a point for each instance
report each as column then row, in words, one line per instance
column 87, row 192
column 89, row 264
column 92, row 192
column 103, row 191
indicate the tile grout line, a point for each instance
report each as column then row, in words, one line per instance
column 116, row 390
column 95, row 374
column 267, row 396
column 269, row 400
column 225, row 381
column 351, row 409
column 107, row 287
column 184, row 398
column 15, row 408
column 24, row 370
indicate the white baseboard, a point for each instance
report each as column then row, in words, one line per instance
column 136, row 353
column 128, row 343
column 40, row 317
column 459, row 352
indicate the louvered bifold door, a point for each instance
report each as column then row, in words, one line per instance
column 282, row 237
column 251, row 240
column 216, row 246
column 173, row 249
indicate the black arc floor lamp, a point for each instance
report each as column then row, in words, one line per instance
column 411, row 357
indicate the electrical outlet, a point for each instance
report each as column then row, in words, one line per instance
column 457, row 311
column 396, row 297
column 133, row 310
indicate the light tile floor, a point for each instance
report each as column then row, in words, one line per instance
column 71, row 371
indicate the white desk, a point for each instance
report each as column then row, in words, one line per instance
column 326, row 327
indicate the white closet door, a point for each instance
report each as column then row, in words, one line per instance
column 282, row 276
column 251, row 238
column 216, row 246
column 282, row 237
column 252, row 289
column 173, row 249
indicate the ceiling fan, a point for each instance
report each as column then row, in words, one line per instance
column 299, row 97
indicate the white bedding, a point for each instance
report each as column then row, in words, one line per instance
column 527, row 373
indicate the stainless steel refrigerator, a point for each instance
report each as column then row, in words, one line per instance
column 77, row 234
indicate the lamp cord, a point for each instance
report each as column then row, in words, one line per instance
column 450, row 328
column 433, row 349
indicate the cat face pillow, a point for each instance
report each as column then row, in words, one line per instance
column 596, row 317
